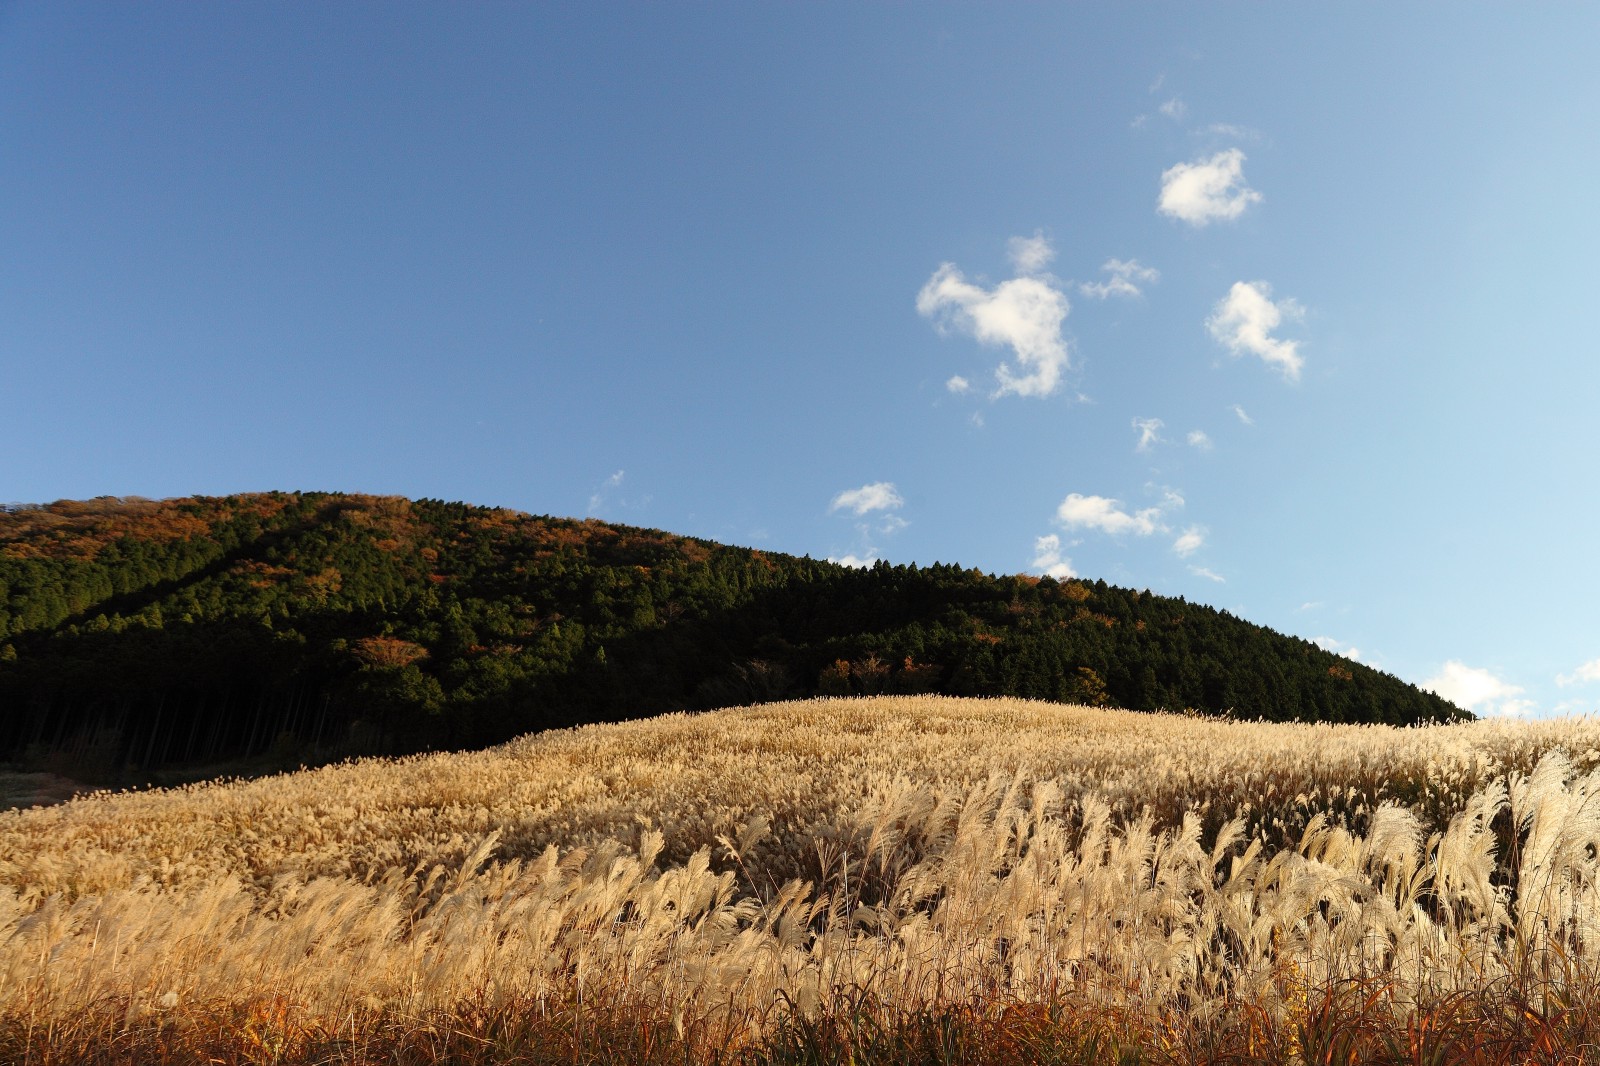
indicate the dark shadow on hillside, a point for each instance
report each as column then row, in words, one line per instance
column 134, row 601
column 155, row 705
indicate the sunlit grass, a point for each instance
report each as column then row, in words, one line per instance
column 907, row 879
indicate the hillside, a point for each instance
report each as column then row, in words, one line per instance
column 889, row 880
column 137, row 634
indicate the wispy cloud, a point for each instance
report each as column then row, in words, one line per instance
column 1192, row 540
column 1478, row 690
column 1149, row 433
column 958, row 384
column 1243, row 322
column 1174, row 109
column 1338, row 647
column 873, row 505
column 1030, row 255
column 878, row 496
column 1207, row 190
column 1208, row 574
column 854, row 561
column 1126, row 275
column 1588, row 672
column 604, row 496
column 1024, row 314
column 1229, row 130
column 1047, row 558
column 1246, row 419
column 1199, row 438
column 1107, row 516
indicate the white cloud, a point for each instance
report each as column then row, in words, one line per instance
column 853, row 561
column 1170, row 497
column 1047, row 557
column 1246, row 419
column 1207, row 190
column 1149, row 433
column 878, row 496
column 1030, row 255
column 1228, row 129
column 1243, row 322
column 1478, row 690
column 1192, row 540
column 1311, row 605
column 958, row 384
column 1338, row 647
column 1589, row 671
column 598, row 498
column 1208, row 574
column 1198, row 438
column 1107, row 516
column 1126, row 275
column 873, row 506
column 1024, row 314
column 1175, row 109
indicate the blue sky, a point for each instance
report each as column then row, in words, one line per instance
column 1281, row 308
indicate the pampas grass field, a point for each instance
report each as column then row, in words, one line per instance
column 887, row 880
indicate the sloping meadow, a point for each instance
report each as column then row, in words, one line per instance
column 893, row 879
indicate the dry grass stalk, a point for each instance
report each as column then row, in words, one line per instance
column 714, row 885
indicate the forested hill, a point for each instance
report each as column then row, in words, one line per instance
column 138, row 634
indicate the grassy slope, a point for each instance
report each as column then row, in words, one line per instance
column 777, row 881
column 798, row 764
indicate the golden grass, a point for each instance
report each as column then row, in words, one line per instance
column 1024, row 881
